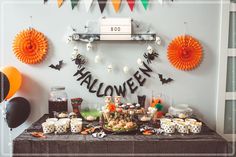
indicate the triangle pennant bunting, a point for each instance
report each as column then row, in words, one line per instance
column 74, row 3
column 88, row 4
column 131, row 4
column 116, row 4
column 145, row 4
column 102, row 4
column 60, row 2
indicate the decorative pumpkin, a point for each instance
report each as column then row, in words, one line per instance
column 185, row 52
column 30, row 46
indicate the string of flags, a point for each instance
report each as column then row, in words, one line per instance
column 102, row 4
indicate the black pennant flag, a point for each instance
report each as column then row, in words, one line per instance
column 102, row 4
column 74, row 3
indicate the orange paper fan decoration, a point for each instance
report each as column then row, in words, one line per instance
column 30, row 46
column 185, row 52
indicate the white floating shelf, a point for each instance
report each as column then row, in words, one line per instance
column 231, row 52
column 230, row 96
column 232, row 7
column 117, row 37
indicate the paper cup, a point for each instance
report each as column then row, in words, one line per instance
column 117, row 99
column 108, row 99
column 48, row 127
column 76, row 126
column 67, row 121
column 60, row 127
column 176, row 121
column 168, row 127
column 182, row 128
column 195, row 127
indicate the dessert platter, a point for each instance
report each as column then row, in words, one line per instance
column 119, row 121
column 120, row 117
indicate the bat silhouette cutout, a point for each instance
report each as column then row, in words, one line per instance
column 58, row 66
column 163, row 80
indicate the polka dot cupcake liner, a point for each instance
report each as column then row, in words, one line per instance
column 48, row 127
column 76, row 127
column 60, row 127
column 168, row 127
column 195, row 127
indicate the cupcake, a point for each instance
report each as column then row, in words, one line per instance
column 52, row 120
column 48, row 127
column 60, row 127
column 182, row 128
column 195, row 127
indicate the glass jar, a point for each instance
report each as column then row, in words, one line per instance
column 58, row 100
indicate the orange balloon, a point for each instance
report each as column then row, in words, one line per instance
column 15, row 79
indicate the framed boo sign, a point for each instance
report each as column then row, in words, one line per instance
column 115, row 29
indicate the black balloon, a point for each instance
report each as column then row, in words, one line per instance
column 4, row 86
column 17, row 111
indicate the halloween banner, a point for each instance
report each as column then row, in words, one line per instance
column 116, row 4
column 131, row 4
column 100, row 89
column 102, row 4
column 88, row 4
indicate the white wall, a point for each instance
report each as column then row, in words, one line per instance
column 197, row 87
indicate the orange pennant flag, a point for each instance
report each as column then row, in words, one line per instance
column 60, row 2
column 116, row 4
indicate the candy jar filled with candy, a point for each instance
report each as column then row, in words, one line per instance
column 58, row 100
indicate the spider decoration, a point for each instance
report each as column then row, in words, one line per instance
column 150, row 56
column 79, row 60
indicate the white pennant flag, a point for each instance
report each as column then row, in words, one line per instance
column 88, row 4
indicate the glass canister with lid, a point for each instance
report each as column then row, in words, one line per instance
column 58, row 100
